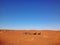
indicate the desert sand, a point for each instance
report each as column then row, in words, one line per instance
column 29, row 37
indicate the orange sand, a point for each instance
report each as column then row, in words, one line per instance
column 16, row 37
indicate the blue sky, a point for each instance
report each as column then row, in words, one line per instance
column 30, row 14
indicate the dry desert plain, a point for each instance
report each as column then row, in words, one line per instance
column 29, row 37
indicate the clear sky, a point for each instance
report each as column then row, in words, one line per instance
column 30, row 14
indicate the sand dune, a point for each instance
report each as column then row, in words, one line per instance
column 29, row 37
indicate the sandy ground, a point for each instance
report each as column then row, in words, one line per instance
column 29, row 37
